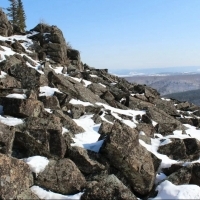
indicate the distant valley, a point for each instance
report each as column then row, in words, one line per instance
column 184, row 87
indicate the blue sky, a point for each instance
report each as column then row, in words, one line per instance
column 124, row 34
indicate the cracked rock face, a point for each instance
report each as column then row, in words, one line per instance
column 61, row 176
column 15, row 177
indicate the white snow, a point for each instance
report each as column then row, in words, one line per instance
column 48, row 91
column 16, row 96
column 58, row 70
column 48, row 110
column 167, row 190
column 102, row 85
column 86, row 83
column 37, row 164
column 78, row 102
column 7, row 51
column 43, row 194
column 3, row 74
column 89, row 138
column 10, row 121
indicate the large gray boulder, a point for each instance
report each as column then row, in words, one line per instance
column 15, row 176
column 41, row 136
column 7, row 135
column 61, row 176
column 121, row 147
column 109, row 188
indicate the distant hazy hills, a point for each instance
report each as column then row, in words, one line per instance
column 182, row 87
column 192, row 96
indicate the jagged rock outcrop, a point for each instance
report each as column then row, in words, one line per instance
column 5, row 26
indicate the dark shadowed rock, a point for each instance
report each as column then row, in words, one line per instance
column 5, row 26
column 77, row 110
column 68, row 122
column 195, row 174
column 50, row 102
column 175, row 150
column 22, row 107
column 161, row 117
column 29, row 77
column 61, row 176
column 15, row 176
column 192, row 148
column 7, row 135
column 18, row 47
column 109, row 188
column 148, row 129
column 82, row 160
column 73, row 88
column 40, row 136
column 125, row 153
column 182, row 176
column 165, row 128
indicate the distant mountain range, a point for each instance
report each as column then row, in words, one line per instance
column 192, row 96
column 157, row 71
column 184, row 87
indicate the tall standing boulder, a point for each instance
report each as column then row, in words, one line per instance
column 52, row 41
column 5, row 26
column 121, row 147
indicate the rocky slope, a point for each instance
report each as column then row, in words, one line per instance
column 71, row 129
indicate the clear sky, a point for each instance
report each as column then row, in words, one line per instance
column 126, row 34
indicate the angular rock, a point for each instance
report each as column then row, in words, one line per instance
column 27, row 194
column 182, row 176
column 175, row 150
column 148, row 129
column 166, row 106
column 68, row 122
column 22, row 107
column 97, row 88
column 9, row 82
column 83, row 161
column 7, row 135
column 166, row 128
column 77, row 110
column 195, row 179
column 109, row 188
column 50, row 102
column 29, row 77
column 15, row 176
column 40, row 136
column 124, row 152
column 192, row 148
column 61, row 176
column 161, row 117
column 18, row 47
column 6, row 29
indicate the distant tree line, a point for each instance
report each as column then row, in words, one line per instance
column 16, row 14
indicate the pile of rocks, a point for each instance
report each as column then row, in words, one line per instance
column 123, row 168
